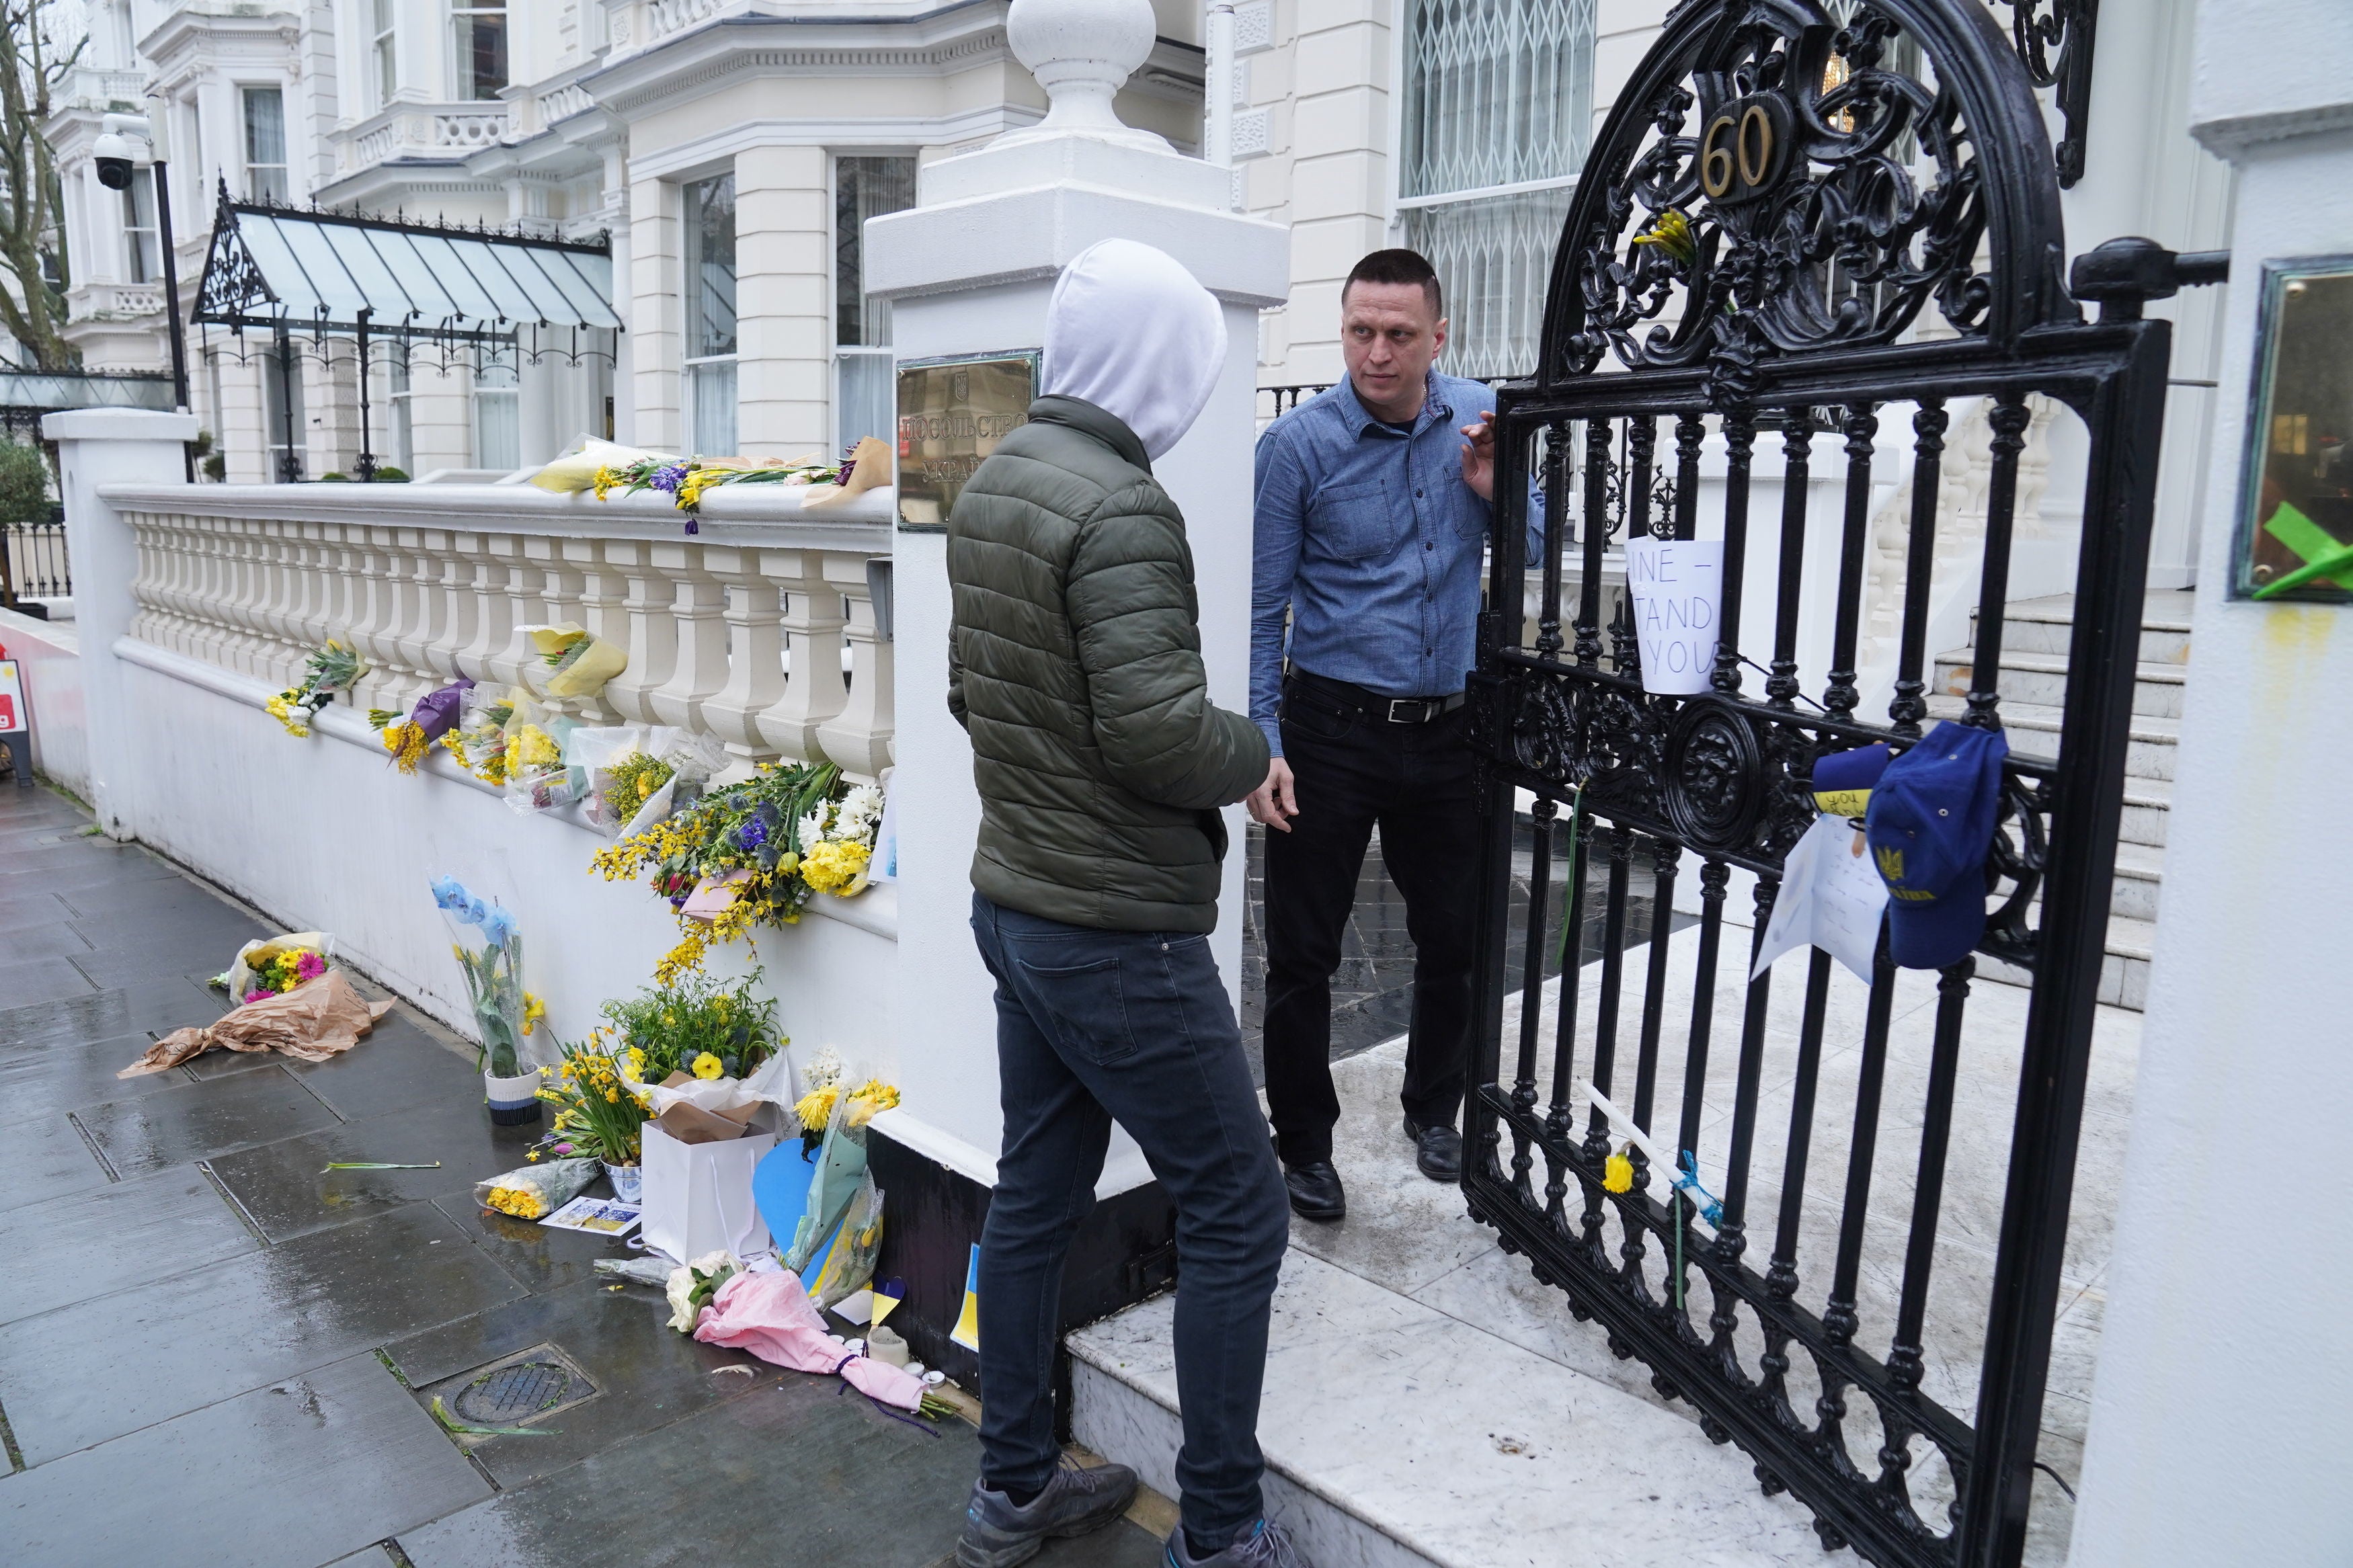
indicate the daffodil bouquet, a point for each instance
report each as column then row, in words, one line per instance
column 695, row 1026
column 334, row 668
column 600, row 1103
column 752, row 854
column 686, row 479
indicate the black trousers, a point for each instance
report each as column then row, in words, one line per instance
column 1352, row 769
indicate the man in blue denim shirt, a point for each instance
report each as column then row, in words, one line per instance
column 1372, row 516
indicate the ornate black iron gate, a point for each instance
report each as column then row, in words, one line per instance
column 1779, row 198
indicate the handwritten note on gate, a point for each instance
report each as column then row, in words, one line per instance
column 1831, row 898
column 1676, row 586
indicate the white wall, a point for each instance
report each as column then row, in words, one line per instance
column 2218, row 1429
column 49, row 662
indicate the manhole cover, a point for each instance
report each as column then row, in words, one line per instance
column 513, row 1392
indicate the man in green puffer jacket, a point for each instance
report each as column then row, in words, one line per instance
column 1075, row 663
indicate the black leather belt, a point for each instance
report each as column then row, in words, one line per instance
column 1358, row 702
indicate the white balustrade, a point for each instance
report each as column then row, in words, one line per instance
column 739, row 631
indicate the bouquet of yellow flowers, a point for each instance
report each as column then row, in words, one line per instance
column 535, row 1192
column 334, row 668
column 600, row 1102
column 752, row 854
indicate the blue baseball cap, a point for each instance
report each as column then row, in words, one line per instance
column 1843, row 780
column 1930, row 824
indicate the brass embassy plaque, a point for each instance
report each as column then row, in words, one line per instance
column 952, row 413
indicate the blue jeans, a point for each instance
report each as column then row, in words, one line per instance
column 1094, row 1026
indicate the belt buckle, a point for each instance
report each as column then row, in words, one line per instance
column 1422, row 705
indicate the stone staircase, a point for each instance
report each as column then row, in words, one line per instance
column 2035, row 634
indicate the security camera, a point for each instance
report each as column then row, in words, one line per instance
column 113, row 153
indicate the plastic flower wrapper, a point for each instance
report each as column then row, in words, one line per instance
column 436, row 714
column 574, row 663
column 770, row 1315
column 850, row 1261
column 840, row 1166
column 276, row 964
column 583, row 463
column 334, row 668
column 691, row 1286
column 535, row 1192
column 490, row 951
column 866, row 468
column 479, row 740
column 600, row 1106
column 536, row 777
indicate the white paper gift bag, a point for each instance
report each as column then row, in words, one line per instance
column 697, row 1196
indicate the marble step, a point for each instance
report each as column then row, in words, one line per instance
column 2046, row 625
column 2042, row 678
column 2035, row 727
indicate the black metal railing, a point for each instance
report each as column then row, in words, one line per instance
column 1633, row 1123
column 33, row 563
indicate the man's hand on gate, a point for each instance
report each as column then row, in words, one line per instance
column 1272, row 802
column 1479, row 456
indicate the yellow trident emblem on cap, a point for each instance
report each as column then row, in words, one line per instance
column 1891, row 863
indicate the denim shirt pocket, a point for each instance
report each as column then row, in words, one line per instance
column 1360, row 519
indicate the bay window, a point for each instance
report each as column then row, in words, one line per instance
column 709, row 309
column 864, row 398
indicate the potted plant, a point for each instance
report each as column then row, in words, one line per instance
column 600, row 1112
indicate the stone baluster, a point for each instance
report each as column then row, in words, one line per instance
column 755, row 666
column 698, row 604
column 511, row 604
column 858, row 738
column 812, row 625
column 307, row 620
column 424, row 639
column 211, row 591
column 652, row 631
column 148, row 621
column 492, row 617
column 462, row 612
column 282, row 570
column 385, row 685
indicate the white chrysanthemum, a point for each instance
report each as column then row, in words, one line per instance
column 825, row 1069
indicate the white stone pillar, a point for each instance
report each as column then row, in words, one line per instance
column 109, row 446
column 784, row 296
column 970, row 270
column 2218, row 1428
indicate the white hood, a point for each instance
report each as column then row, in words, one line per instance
column 1130, row 332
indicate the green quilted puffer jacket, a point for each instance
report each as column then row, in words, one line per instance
column 1074, row 660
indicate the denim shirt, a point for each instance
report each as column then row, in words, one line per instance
column 1373, row 544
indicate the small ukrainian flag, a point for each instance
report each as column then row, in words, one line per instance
column 967, row 1329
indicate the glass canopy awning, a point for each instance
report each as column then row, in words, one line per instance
column 322, row 273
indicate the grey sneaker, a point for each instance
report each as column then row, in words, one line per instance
column 997, row 1535
column 1263, row 1545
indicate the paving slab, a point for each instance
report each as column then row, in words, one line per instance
column 793, row 1473
column 67, row 1074
column 301, row 1471
column 108, row 894
column 45, row 1157
column 197, row 1120
column 647, row 1373
column 33, row 980
column 47, row 941
column 84, row 1373
column 540, row 1257
column 90, row 1244
column 288, row 1192
column 180, row 943
column 396, row 1067
column 158, row 1005
column 23, row 911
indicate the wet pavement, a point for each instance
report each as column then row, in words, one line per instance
column 214, row 1351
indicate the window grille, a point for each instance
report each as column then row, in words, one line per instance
column 710, row 303
column 1498, row 109
column 265, row 145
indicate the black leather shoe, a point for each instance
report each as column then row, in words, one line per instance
column 1315, row 1191
column 1438, row 1151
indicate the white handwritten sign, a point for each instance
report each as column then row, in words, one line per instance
column 1830, row 897
column 1676, row 586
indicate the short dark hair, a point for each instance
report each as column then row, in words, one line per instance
column 1398, row 266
